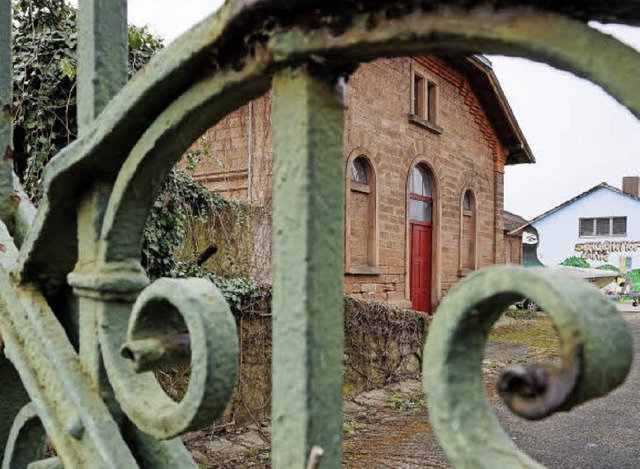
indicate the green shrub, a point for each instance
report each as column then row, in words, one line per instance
column 238, row 291
column 576, row 262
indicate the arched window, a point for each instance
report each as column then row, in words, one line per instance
column 361, row 217
column 466, row 202
column 359, row 170
column 468, row 232
column 420, row 195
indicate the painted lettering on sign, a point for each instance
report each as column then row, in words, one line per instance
column 600, row 250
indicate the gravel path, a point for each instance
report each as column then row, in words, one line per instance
column 389, row 428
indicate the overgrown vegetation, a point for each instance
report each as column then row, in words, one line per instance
column 385, row 344
column 44, row 64
column 182, row 205
column 45, row 121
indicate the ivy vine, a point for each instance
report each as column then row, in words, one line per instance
column 45, row 121
column 44, row 63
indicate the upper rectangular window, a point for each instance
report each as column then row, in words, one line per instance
column 431, row 101
column 425, row 98
column 603, row 226
column 418, row 95
column 424, row 103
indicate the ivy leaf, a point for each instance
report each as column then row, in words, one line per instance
column 68, row 69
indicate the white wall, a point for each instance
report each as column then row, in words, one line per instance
column 558, row 232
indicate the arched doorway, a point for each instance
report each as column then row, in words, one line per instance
column 420, row 238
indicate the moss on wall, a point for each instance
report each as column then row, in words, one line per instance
column 230, row 229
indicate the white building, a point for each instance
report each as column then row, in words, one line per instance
column 600, row 227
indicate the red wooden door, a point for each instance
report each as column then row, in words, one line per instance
column 420, row 267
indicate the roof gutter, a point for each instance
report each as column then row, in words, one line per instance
column 521, row 146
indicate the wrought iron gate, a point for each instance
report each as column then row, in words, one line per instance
column 80, row 327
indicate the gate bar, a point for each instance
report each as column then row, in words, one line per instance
column 308, row 245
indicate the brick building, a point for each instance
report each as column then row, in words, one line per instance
column 426, row 142
column 513, row 238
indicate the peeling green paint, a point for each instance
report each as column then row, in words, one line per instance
column 591, row 333
column 308, row 267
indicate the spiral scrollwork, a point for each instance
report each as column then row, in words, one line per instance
column 172, row 321
column 26, row 440
column 590, row 330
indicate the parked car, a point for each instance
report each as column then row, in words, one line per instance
column 526, row 303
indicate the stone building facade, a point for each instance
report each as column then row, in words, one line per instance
column 426, row 143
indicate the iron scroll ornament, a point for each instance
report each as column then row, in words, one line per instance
column 591, row 332
column 214, row 68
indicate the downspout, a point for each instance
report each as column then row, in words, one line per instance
column 250, row 152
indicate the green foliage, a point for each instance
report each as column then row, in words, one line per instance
column 413, row 402
column 180, row 201
column 183, row 201
column 237, row 291
column 396, row 402
column 576, row 262
column 44, row 59
column 45, row 121
column 613, row 268
column 44, row 48
column 352, row 427
column 634, row 275
column 142, row 46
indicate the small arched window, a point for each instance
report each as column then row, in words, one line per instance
column 359, row 171
column 420, row 182
column 466, row 203
column 361, row 217
column 420, row 192
column 468, row 232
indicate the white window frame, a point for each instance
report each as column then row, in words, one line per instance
column 594, row 222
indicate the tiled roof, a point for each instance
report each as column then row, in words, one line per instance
column 513, row 221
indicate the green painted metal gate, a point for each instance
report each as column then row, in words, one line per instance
column 81, row 328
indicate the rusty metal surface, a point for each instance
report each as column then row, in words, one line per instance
column 591, row 333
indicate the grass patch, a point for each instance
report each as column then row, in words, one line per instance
column 521, row 314
column 352, row 427
column 414, row 402
column 540, row 335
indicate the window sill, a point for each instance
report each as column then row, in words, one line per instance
column 603, row 236
column 360, row 187
column 425, row 124
column 363, row 270
column 465, row 272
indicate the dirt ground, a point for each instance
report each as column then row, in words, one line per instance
column 385, row 427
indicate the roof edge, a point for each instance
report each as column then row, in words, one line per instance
column 520, row 151
column 602, row 185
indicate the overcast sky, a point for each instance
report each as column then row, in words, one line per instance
column 579, row 135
